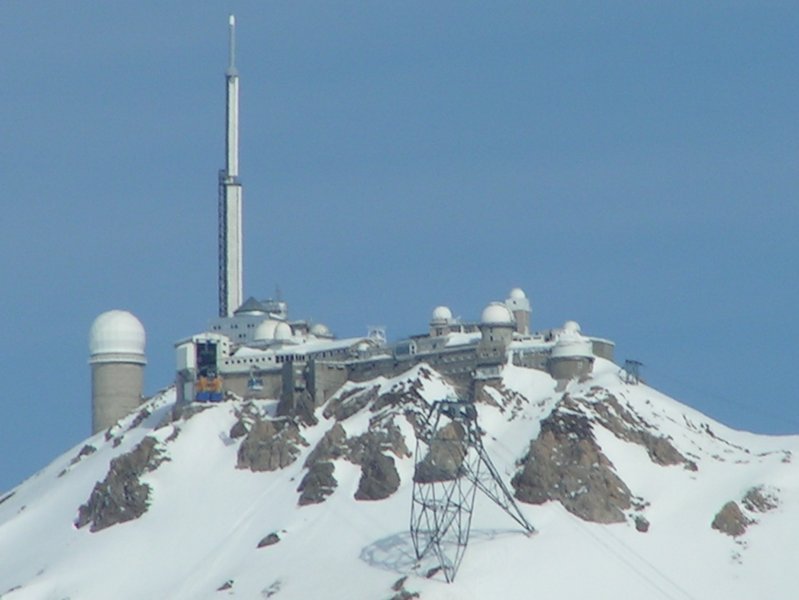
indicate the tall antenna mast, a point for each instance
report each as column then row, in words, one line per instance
column 230, row 218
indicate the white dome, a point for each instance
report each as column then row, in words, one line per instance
column 496, row 314
column 265, row 331
column 571, row 343
column 283, row 331
column 116, row 332
column 320, row 330
column 517, row 294
column 573, row 347
column 442, row 313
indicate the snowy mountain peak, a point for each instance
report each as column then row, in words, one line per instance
column 624, row 486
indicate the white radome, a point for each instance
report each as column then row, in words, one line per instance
column 116, row 332
column 265, row 331
column 571, row 327
column 517, row 294
column 442, row 313
column 283, row 331
column 320, row 330
column 496, row 313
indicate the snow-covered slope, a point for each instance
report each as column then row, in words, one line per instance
column 222, row 516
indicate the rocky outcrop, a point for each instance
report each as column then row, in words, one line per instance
column 121, row 496
column 270, row 445
column 347, row 404
column 299, row 407
column 565, row 463
column 379, row 478
column 269, row 540
column 317, row 484
column 759, row 500
column 444, row 460
column 731, row 520
column 630, row 427
column 734, row 521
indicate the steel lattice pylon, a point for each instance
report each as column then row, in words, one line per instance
column 451, row 465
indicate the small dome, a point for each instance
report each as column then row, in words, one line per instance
column 571, row 343
column 116, row 332
column 496, row 313
column 283, row 331
column 517, row 294
column 265, row 331
column 320, row 330
column 442, row 313
column 250, row 307
column 573, row 347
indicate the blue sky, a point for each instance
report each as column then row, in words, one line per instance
column 633, row 166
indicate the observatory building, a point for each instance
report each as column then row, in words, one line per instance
column 116, row 356
column 254, row 350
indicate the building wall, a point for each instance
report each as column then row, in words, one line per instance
column 603, row 348
column 570, row 367
column 238, row 383
column 116, row 392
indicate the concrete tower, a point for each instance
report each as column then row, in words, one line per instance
column 230, row 231
column 116, row 349
column 519, row 305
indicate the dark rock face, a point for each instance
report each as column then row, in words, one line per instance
column 332, row 445
column 121, row 497
column 269, row 540
column 629, row 427
column 641, row 524
column 270, row 445
column 759, row 500
column 447, row 451
column 379, row 478
column 731, row 520
column 348, row 404
column 298, row 407
column 566, row 464
column 317, row 484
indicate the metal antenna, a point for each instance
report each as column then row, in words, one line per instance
column 451, row 465
column 231, row 69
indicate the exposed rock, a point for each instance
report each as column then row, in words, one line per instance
column 139, row 418
column 269, row 540
column 757, row 499
column 444, row 460
column 298, row 406
column 566, row 464
column 379, row 478
column 380, row 438
column 238, row 430
column 731, row 520
column 349, row 403
column 7, row 496
column 317, row 484
column 225, row 586
column 270, row 445
column 641, row 523
column 404, row 594
column 630, row 427
column 332, row 445
column 121, row 496
column 87, row 450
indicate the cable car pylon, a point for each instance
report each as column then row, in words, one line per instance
column 451, row 464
